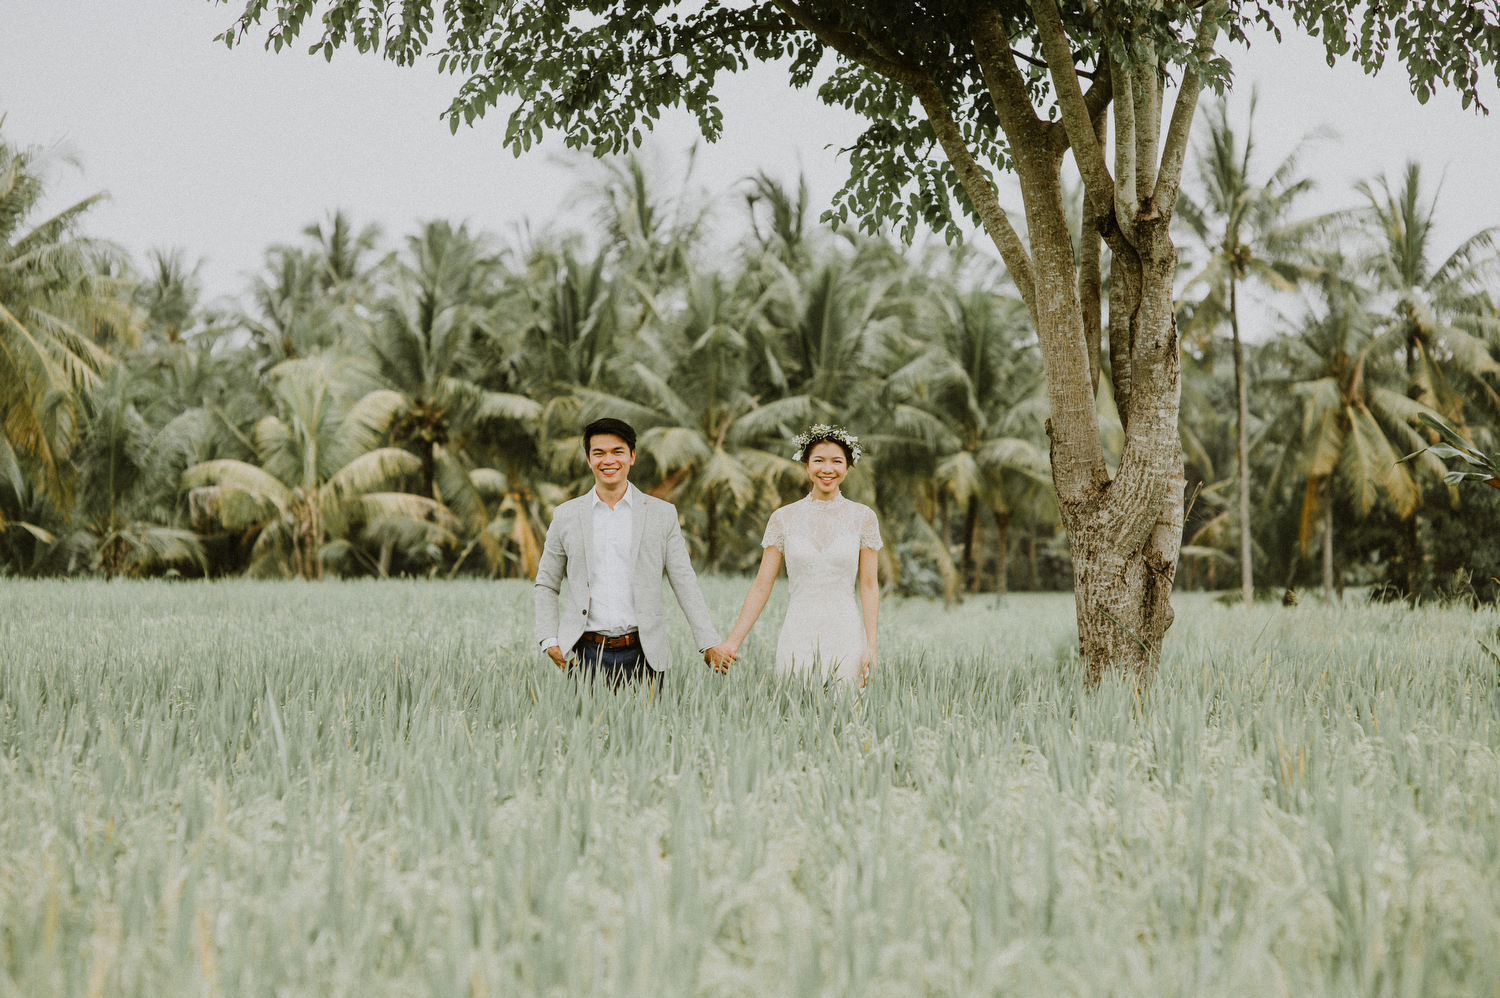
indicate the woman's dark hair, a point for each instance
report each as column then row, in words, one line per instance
column 614, row 427
column 807, row 451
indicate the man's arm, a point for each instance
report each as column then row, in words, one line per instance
column 685, row 587
column 550, row 571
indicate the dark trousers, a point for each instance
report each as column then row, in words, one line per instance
column 616, row 666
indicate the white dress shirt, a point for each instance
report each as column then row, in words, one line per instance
column 611, row 595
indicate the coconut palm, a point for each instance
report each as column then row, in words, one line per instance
column 1244, row 228
column 113, row 519
column 1443, row 314
column 974, row 401
column 341, row 252
column 830, row 330
column 169, row 294
column 291, row 319
column 650, row 234
column 1348, row 423
column 321, row 472
column 26, row 543
column 425, row 344
column 60, row 298
column 501, row 518
column 687, row 394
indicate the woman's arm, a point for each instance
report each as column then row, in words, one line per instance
column 869, row 598
column 755, row 599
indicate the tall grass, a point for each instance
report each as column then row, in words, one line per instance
column 383, row 789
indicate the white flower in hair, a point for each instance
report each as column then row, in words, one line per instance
column 821, row 432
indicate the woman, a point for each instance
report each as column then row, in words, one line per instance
column 829, row 542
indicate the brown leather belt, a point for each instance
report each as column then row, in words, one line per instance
column 619, row 641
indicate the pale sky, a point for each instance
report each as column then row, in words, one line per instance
column 225, row 152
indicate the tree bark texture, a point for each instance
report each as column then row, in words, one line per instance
column 1242, row 400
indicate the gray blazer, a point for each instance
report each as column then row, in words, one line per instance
column 658, row 550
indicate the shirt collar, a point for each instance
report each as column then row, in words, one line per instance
column 628, row 498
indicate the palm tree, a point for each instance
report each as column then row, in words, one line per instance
column 651, row 236
column 688, row 394
column 116, row 458
column 1349, row 424
column 59, row 300
column 340, row 255
column 322, row 472
column 503, row 519
column 425, row 344
column 1244, row 228
column 26, row 543
column 291, row 317
column 169, row 294
column 830, row 332
column 975, row 401
column 1443, row 314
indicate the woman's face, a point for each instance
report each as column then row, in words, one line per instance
column 826, row 466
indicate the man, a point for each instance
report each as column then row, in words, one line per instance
column 613, row 545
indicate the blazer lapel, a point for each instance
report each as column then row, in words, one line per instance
column 586, row 528
column 637, row 525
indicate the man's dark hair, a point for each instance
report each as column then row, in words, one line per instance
column 615, row 427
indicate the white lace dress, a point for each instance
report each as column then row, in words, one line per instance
column 824, row 632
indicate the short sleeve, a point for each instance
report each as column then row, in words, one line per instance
column 775, row 533
column 869, row 532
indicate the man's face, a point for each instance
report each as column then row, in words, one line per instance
column 610, row 458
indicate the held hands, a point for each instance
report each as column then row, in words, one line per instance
column 556, row 655
column 720, row 656
column 866, row 663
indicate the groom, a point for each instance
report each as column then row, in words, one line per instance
column 613, row 544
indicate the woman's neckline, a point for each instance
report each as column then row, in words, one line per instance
column 824, row 502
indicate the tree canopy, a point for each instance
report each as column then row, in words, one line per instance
column 601, row 73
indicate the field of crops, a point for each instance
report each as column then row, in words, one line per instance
column 382, row 789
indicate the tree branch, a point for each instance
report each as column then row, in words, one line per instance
column 1028, row 57
column 880, row 58
column 1090, row 276
column 1164, row 198
column 1075, row 112
column 851, row 46
column 981, row 192
column 1146, row 91
column 1100, row 93
column 1002, row 77
column 1127, row 200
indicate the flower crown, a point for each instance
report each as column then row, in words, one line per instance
column 822, row 431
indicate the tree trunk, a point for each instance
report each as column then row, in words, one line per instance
column 1003, row 550
column 1413, row 557
column 1328, row 547
column 429, row 467
column 1242, row 397
column 383, row 566
column 1126, row 533
column 971, row 535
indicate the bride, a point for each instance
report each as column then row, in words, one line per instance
column 829, row 543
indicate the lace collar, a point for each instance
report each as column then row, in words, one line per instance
column 834, row 503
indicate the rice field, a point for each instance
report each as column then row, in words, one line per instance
column 380, row 789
